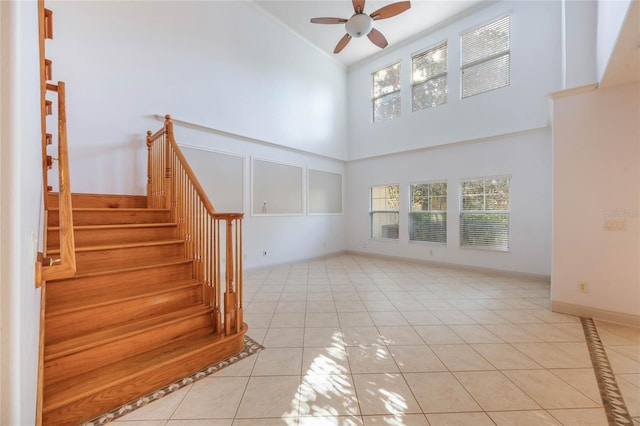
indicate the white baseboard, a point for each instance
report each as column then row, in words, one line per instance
column 598, row 314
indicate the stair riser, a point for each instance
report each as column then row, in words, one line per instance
column 86, row 407
column 102, row 201
column 102, row 259
column 80, row 287
column 93, row 237
column 112, row 217
column 128, row 346
column 72, row 324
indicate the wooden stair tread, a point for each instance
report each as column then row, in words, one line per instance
column 125, row 265
column 64, row 392
column 119, row 226
column 94, row 299
column 56, row 350
column 111, row 210
column 120, row 246
column 135, row 266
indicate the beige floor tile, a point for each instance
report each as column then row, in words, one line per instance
column 330, row 421
column 475, row 334
column 140, row 423
column 494, row 392
column 349, row 306
column 416, row 359
column 460, row 419
column 631, row 395
column 320, row 306
column 384, row 394
column 211, row 398
column 371, row 359
column 485, row 316
column 362, row 336
column 379, row 306
column 461, row 358
column 400, row 335
column 330, row 336
column 287, row 319
column 512, row 333
column 257, row 320
column 550, row 356
column 630, row 351
column 548, row 390
column 505, row 357
column 420, row 318
column 454, row 317
column 549, row 332
column 583, row 379
column 260, row 308
column 382, row 319
column 325, row 360
column 437, row 334
column 524, row 418
column 290, row 337
column 278, row 362
column 286, row 421
column 271, row 396
column 162, row 408
column 200, row 422
column 581, row 417
column 440, row 393
column 396, row 420
column 291, row 306
column 327, row 396
column 257, row 334
column 517, row 316
column 634, row 379
column 242, row 368
column 355, row 319
column 622, row 364
column 322, row 319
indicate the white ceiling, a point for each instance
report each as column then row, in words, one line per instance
column 423, row 15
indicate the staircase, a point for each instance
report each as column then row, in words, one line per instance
column 133, row 318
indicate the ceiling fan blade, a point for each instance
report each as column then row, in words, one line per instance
column 390, row 10
column 328, row 20
column 377, row 38
column 358, row 6
column 342, row 43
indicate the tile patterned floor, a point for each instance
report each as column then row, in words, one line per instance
column 353, row 340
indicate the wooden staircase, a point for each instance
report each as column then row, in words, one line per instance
column 134, row 317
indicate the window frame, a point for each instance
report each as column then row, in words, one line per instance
column 397, row 92
column 444, row 74
column 411, row 211
column 372, row 212
column 485, row 211
column 485, row 59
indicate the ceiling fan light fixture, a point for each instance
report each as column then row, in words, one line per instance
column 359, row 25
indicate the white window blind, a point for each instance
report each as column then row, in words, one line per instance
column 429, row 78
column 486, row 57
column 386, row 93
column 484, row 215
column 383, row 212
column 428, row 215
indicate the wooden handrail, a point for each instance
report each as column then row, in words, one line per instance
column 172, row 184
column 65, row 266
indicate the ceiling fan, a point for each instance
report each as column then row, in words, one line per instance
column 361, row 24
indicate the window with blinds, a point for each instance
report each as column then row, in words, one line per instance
column 485, row 58
column 429, row 78
column 386, row 93
column 428, row 215
column 484, row 215
column 383, row 211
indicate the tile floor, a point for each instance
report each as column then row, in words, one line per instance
column 352, row 340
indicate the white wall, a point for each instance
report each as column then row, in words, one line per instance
column 535, row 72
column 526, row 157
column 611, row 16
column 580, row 24
column 125, row 61
column 286, row 238
column 596, row 175
column 21, row 194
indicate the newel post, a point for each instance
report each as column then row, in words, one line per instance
column 168, row 133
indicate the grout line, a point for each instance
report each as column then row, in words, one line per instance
column 612, row 400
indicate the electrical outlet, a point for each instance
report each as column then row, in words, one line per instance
column 583, row 287
column 264, row 252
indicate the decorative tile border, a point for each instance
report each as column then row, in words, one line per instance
column 612, row 400
column 250, row 347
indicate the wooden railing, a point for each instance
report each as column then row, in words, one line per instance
column 64, row 266
column 213, row 240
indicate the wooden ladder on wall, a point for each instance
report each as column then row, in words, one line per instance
column 135, row 295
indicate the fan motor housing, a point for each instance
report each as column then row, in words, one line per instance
column 359, row 25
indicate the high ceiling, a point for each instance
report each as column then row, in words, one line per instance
column 424, row 14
